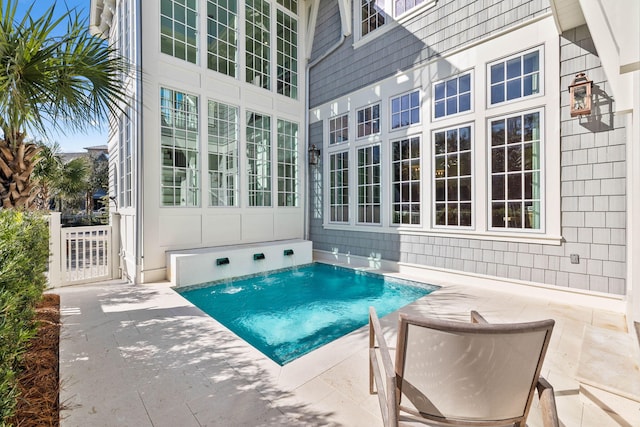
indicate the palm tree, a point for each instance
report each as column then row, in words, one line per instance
column 49, row 83
column 47, row 174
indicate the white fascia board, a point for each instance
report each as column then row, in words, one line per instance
column 604, row 38
column 345, row 16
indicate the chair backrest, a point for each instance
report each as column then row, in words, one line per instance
column 470, row 372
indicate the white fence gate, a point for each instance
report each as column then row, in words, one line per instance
column 83, row 254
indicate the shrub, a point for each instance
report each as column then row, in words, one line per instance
column 24, row 250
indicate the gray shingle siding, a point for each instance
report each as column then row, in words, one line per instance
column 592, row 161
column 451, row 24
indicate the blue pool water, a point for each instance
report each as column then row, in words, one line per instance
column 289, row 313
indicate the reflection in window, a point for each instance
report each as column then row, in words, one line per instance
column 126, row 160
column 452, row 96
column 339, row 187
column 372, row 15
column 288, row 181
column 452, row 177
column 369, row 120
column 369, row 185
column 287, row 55
column 222, row 36
column 178, row 29
column 339, row 129
column 223, row 154
column 516, row 172
column 405, row 110
column 292, row 5
column 515, row 77
column 405, row 181
column 179, row 146
column 259, row 159
column 258, row 55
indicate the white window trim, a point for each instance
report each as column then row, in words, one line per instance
column 380, row 116
column 504, row 59
column 349, row 130
column 543, row 176
column 458, row 114
column 432, row 181
column 391, row 21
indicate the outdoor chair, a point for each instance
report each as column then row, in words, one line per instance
column 463, row 374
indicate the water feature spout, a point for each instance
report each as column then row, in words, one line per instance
column 288, row 252
column 222, row 261
column 257, row 257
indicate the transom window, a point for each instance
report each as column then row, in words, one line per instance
column 452, row 177
column 369, row 120
column 369, row 185
column 178, row 29
column 516, row 153
column 339, row 129
column 405, row 169
column 179, row 146
column 339, row 187
column 222, row 36
column 287, row 55
column 258, row 54
column 405, row 110
column 292, row 5
column 515, row 77
column 452, row 96
column 287, row 163
column 223, row 154
column 259, row 159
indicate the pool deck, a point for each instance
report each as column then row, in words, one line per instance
column 144, row 356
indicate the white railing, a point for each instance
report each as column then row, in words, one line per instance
column 83, row 254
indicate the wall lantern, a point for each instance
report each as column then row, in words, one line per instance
column 580, row 95
column 314, row 155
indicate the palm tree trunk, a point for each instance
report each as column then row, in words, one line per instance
column 17, row 160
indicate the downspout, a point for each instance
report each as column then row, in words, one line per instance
column 139, row 253
column 344, row 7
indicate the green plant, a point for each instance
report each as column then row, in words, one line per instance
column 24, row 251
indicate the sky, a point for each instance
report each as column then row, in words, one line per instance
column 69, row 142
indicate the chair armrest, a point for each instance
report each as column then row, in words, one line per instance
column 477, row 317
column 547, row 403
column 385, row 387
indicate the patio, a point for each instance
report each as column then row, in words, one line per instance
column 144, row 356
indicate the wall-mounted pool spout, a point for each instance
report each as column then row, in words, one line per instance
column 222, row 261
column 258, row 256
column 288, row 252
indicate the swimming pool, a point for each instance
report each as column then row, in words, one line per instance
column 289, row 313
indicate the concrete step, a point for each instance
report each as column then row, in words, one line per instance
column 609, row 361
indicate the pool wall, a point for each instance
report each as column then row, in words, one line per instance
column 194, row 266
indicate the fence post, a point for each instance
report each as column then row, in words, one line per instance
column 55, row 248
column 115, row 245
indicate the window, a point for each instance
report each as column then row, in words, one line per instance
column 372, row 16
column 339, row 129
column 516, row 171
column 452, row 177
column 287, row 163
column 258, row 55
column 405, row 170
column 287, row 55
column 292, row 5
column 369, row 185
column 259, row 159
column 223, row 154
column 124, row 153
column 516, row 77
column 178, row 29
column 405, row 110
column 339, row 187
column 369, row 120
column 452, row 96
column 179, row 146
column 222, row 36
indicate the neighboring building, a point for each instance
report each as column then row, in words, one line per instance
column 444, row 127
